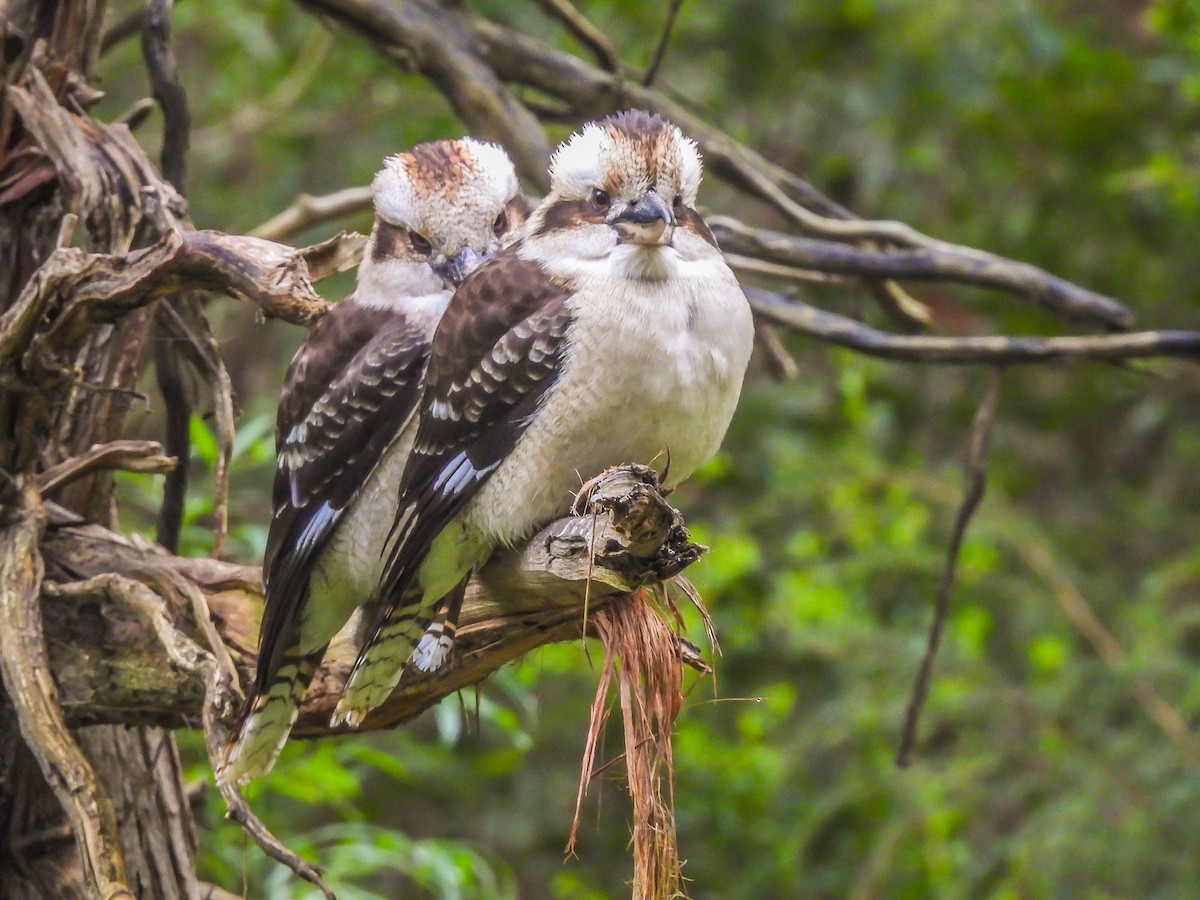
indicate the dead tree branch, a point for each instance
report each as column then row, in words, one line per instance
column 660, row 50
column 108, row 672
column 437, row 41
column 585, row 32
column 961, row 265
column 127, row 456
column 168, row 90
column 832, row 328
column 976, row 470
column 307, row 210
column 74, row 289
column 25, row 665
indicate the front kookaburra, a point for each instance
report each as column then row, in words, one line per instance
column 342, row 431
column 614, row 333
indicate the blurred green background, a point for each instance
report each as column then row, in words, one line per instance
column 1058, row 755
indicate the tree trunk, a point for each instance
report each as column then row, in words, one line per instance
column 57, row 161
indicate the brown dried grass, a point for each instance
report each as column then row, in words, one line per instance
column 642, row 655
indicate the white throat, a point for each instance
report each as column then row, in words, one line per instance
column 410, row 287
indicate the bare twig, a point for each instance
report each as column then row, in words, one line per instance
column 945, row 263
column 755, row 266
column 168, row 89
column 172, row 98
column 190, row 339
column 780, row 363
column 122, row 30
column 126, row 456
column 976, row 469
column 66, row 230
column 660, row 51
column 177, row 411
column 585, row 32
column 236, row 806
column 437, row 40
column 25, row 666
column 836, row 329
column 307, row 210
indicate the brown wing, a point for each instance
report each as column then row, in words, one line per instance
column 496, row 352
column 348, row 392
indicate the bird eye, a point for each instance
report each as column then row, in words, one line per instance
column 601, row 198
column 501, row 224
column 419, row 243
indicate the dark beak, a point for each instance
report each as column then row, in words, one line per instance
column 457, row 267
column 648, row 221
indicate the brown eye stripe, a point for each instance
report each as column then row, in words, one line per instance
column 390, row 241
column 566, row 213
column 687, row 217
column 519, row 207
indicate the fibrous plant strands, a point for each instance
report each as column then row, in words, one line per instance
column 641, row 653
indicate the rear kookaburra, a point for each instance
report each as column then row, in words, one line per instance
column 614, row 333
column 349, row 396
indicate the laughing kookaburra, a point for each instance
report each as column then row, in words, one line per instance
column 613, row 333
column 347, row 401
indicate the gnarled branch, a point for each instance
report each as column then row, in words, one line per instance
column 108, row 671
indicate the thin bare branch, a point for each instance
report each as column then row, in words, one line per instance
column 177, row 413
column 780, row 363
column 660, row 50
column 237, row 809
column 585, row 32
column 190, row 338
column 437, row 41
column 145, row 457
column 754, row 266
column 946, row 263
column 306, row 211
column 976, row 470
column 122, row 30
column 846, row 332
column 168, row 90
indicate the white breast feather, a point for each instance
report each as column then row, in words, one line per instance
column 652, row 366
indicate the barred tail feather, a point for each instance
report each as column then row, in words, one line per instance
column 379, row 667
column 435, row 645
column 268, row 720
column 409, row 637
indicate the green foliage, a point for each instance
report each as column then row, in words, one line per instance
column 1059, row 133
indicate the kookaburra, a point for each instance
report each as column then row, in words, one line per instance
column 348, row 397
column 613, row 333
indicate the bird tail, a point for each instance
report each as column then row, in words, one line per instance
column 410, row 636
column 267, row 720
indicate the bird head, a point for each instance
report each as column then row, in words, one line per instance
column 449, row 204
column 624, row 187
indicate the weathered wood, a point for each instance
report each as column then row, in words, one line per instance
column 111, row 668
column 32, row 692
column 58, row 400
